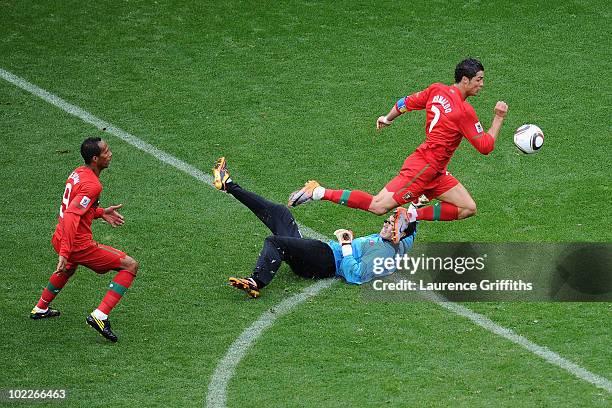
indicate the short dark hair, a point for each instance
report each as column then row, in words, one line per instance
column 469, row 67
column 90, row 148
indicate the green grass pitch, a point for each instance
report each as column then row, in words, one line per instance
column 290, row 91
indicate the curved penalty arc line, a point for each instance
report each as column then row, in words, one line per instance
column 217, row 388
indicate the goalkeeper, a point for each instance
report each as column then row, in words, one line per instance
column 349, row 258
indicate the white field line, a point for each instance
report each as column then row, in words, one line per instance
column 544, row 352
column 217, row 389
column 110, row 128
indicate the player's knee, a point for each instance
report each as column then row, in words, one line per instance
column 282, row 211
column 131, row 265
column 270, row 240
column 69, row 272
column 272, row 245
column 469, row 210
column 382, row 204
column 378, row 208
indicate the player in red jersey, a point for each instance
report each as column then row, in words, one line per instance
column 74, row 244
column 450, row 118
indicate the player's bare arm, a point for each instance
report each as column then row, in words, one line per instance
column 112, row 217
column 384, row 121
column 501, row 109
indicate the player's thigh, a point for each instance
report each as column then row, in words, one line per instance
column 281, row 222
column 457, row 195
column 100, row 258
column 440, row 185
column 411, row 182
column 309, row 258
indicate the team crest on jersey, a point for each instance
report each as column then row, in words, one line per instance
column 407, row 196
column 478, row 127
column 85, row 201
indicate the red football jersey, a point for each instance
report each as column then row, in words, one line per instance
column 79, row 208
column 449, row 119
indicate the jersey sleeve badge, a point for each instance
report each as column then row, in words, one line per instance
column 85, row 201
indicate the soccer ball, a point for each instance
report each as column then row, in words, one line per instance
column 529, row 138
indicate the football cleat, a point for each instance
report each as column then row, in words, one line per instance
column 422, row 201
column 220, row 173
column 102, row 326
column 43, row 315
column 401, row 220
column 304, row 195
column 404, row 222
column 246, row 285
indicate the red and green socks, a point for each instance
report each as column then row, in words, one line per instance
column 56, row 283
column 116, row 289
column 440, row 211
column 350, row 198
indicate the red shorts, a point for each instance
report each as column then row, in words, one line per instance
column 418, row 177
column 97, row 257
